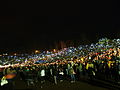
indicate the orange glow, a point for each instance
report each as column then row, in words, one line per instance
column 36, row 51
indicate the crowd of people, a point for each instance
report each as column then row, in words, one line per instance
column 100, row 60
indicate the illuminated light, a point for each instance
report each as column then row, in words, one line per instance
column 36, row 51
column 65, row 48
column 0, row 55
column 6, row 54
column 15, row 54
column 70, row 50
column 82, row 59
column 54, row 50
column 47, row 51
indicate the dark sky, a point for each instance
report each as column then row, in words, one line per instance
column 31, row 25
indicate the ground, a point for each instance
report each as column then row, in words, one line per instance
column 65, row 85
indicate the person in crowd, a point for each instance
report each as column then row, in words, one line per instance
column 55, row 73
column 90, row 70
column 97, row 60
column 79, row 71
column 61, row 73
column 72, row 74
column 65, row 70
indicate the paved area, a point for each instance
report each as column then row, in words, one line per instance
column 65, row 85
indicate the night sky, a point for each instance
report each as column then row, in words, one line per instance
column 31, row 25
